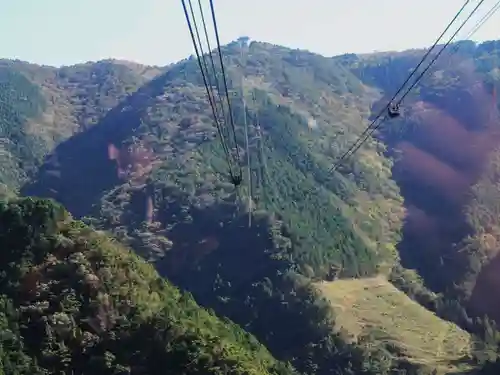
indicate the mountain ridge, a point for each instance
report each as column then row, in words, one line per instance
column 147, row 170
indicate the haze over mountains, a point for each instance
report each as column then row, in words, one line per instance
column 338, row 269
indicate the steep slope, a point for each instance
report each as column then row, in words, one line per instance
column 373, row 310
column 41, row 106
column 153, row 171
column 446, row 146
column 74, row 301
column 166, row 123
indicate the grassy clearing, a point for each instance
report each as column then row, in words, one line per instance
column 374, row 306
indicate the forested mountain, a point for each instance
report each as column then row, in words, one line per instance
column 41, row 106
column 74, row 301
column 132, row 150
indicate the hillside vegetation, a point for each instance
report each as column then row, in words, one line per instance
column 153, row 174
column 446, row 146
column 373, row 310
column 74, row 301
column 41, row 106
column 145, row 164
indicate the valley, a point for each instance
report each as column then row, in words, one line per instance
column 401, row 240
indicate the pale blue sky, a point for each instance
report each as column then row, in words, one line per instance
column 57, row 32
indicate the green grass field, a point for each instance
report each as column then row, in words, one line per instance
column 374, row 305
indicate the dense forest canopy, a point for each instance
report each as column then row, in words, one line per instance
column 75, row 301
column 132, row 150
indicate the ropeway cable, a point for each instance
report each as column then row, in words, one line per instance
column 208, row 91
column 374, row 125
column 225, row 86
column 214, row 70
